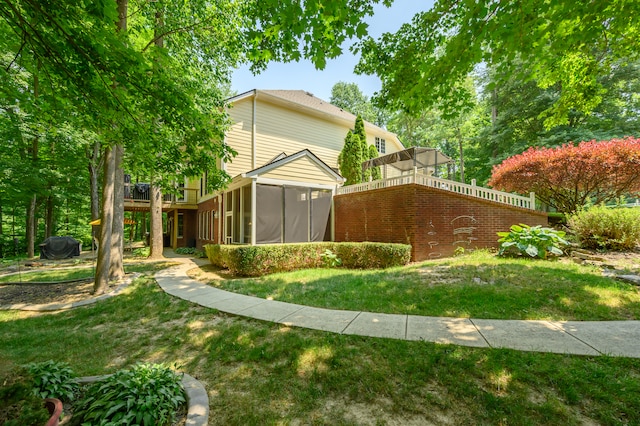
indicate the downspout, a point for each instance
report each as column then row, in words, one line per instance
column 334, row 192
column 220, row 218
column 254, row 212
column 175, row 229
column 253, row 131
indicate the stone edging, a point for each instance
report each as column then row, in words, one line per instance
column 197, row 398
column 62, row 306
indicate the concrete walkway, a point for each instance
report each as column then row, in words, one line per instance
column 613, row 338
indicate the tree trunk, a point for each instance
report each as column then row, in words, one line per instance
column 494, row 120
column 461, row 156
column 155, row 207
column 143, row 231
column 155, row 192
column 31, row 208
column 94, row 166
column 112, row 226
column 1, row 231
column 48, row 224
column 116, row 268
column 31, row 226
column 104, row 258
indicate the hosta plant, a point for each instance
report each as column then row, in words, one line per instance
column 147, row 394
column 53, row 379
column 534, row 241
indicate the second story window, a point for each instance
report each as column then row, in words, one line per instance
column 380, row 145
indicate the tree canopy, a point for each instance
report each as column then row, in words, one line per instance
column 146, row 77
column 349, row 97
column 563, row 43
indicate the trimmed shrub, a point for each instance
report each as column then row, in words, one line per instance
column 253, row 261
column 190, row 250
column 214, row 254
column 604, row 228
column 372, row 255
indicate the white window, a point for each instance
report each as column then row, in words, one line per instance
column 380, row 145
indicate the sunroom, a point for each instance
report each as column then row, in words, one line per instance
column 288, row 200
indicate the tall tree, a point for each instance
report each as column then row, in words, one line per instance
column 349, row 97
column 517, row 111
column 374, row 171
column 360, row 135
column 113, row 76
column 350, row 159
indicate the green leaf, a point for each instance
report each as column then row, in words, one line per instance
column 532, row 251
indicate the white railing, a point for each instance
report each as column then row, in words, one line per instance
column 446, row 185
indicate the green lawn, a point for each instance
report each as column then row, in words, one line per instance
column 260, row 373
column 479, row 285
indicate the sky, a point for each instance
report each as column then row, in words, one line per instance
column 303, row 75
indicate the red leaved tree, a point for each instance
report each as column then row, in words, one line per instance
column 569, row 176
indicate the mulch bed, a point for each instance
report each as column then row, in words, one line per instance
column 37, row 294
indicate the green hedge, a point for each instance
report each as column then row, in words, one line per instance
column 607, row 228
column 253, row 261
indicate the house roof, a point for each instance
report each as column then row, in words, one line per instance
column 307, row 99
column 304, row 99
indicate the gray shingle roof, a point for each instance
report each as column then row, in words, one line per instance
column 307, row 99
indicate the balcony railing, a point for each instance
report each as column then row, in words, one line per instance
column 141, row 192
column 446, row 185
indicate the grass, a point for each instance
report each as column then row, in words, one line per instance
column 259, row 373
column 479, row 285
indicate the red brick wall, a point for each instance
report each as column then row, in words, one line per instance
column 206, row 207
column 433, row 221
column 190, row 228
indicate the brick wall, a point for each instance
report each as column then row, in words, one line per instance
column 189, row 229
column 206, row 208
column 433, row 221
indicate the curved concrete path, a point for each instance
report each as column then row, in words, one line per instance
column 613, row 338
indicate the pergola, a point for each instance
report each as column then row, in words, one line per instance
column 410, row 158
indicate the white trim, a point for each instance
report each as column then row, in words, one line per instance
column 242, row 96
column 220, row 215
column 254, row 213
column 479, row 192
column 237, row 182
column 291, row 158
column 253, row 132
column 279, row 182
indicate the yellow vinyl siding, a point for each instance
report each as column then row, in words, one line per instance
column 281, row 129
column 301, row 170
column 284, row 130
column 238, row 136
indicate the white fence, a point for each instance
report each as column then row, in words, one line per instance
column 446, row 185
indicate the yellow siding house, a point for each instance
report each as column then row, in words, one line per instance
column 286, row 171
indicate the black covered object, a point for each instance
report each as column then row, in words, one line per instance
column 59, row 248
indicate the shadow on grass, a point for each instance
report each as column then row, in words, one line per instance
column 261, row 373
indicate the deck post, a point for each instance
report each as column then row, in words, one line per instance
column 532, row 200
